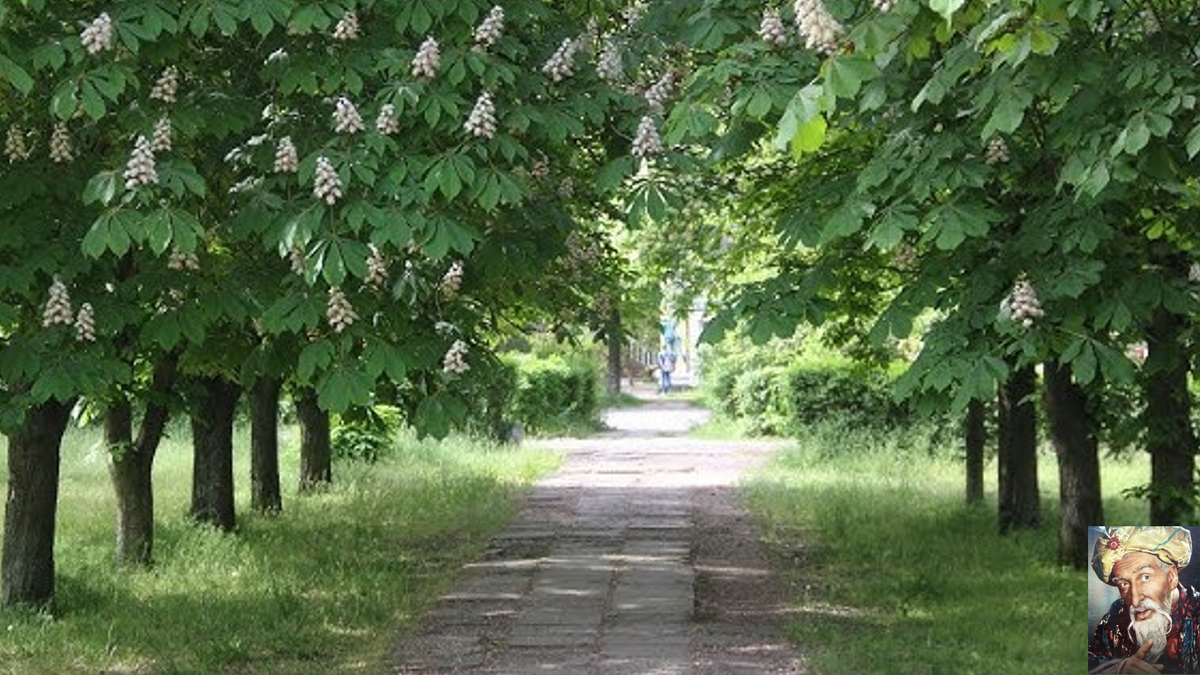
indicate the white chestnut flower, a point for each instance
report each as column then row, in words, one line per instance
column 141, row 168
column 85, row 323
column 97, row 36
column 818, row 27
column 166, row 87
column 327, row 184
column 163, row 135
column 15, row 147
column 490, row 29
column 452, row 279
column 58, row 307
column 182, row 261
column 287, row 160
column 772, row 30
column 482, row 121
column 387, row 123
column 883, row 5
column 1023, row 304
column 377, row 269
column 296, row 260
column 339, row 312
column 455, row 360
column 608, row 63
column 647, row 143
column 996, row 151
column 346, row 118
column 561, row 63
column 429, row 56
column 61, row 151
column 346, row 28
column 658, row 93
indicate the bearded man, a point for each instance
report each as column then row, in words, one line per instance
column 1155, row 626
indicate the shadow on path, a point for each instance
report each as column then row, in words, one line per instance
column 636, row 557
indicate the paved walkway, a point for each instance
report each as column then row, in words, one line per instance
column 636, row 558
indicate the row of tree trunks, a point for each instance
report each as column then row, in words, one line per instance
column 27, row 568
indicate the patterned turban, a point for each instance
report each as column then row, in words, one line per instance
column 1172, row 545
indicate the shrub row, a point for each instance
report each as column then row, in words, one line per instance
column 775, row 392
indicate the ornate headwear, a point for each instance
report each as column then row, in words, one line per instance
column 1172, row 545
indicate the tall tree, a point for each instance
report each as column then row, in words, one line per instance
column 316, row 450
column 265, row 495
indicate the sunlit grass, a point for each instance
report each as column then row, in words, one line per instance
column 896, row 575
column 321, row 589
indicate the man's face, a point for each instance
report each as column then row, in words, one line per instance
column 1138, row 576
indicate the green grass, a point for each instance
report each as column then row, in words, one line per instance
column 900, row 577
column 321, row 589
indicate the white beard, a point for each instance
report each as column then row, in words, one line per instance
column 1154, row 628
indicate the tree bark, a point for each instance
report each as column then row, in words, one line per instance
column 34, row 453
column 316, row 453
column 212, row 445
column 1073, row 434
column 130, row 464
column 1017, row 455
column 1170, row 438
column 265, row 494
column 975, row 440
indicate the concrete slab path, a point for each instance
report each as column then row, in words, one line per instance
column 636, row 558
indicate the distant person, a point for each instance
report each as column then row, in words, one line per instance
column 666, row 366
column 1155, row 625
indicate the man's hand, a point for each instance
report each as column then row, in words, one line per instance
column 1135, row 664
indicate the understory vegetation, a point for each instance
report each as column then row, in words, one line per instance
column 321, row 588
column 893, row 574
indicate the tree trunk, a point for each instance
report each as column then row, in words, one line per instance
column 613, row 338
column 130, row 464
column 129, row 470
column 1017, row 455
column 975, row 440
column 212, row 445
column 264, row 446
column 316, row 453
column 1170, row 438
column 1073, row 434
column 27, row 568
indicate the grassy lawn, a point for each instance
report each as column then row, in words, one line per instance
column 900, row 577
column 321, row 589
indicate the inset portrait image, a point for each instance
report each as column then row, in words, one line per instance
column 1143, row 612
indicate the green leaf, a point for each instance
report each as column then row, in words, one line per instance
column 95, row 242
column 16, row 75
column 946, row 8
column 313, row 358
column 1083, row 366
column 846, row 74
column 1193, row 142
column 809, row 136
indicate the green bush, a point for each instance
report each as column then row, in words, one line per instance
column 759, row 398
column 365, row 434
column 816, row 392
column 555, row 393
column 490, row 400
